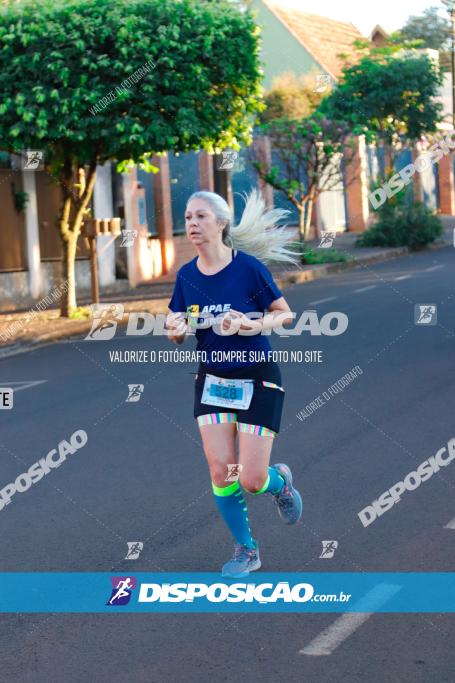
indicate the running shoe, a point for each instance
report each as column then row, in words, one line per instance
column 244, row 561
column 289, row 500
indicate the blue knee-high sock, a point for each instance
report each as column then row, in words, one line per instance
column 232, row 506
column 273, row 484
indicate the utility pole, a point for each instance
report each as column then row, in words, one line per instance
column 451, row 9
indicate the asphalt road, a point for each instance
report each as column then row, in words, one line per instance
column 142, row 476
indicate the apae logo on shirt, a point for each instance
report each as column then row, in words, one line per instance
column 216, row 308
column 194, row 313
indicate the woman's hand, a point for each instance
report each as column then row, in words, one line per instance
column 177, row 326
column 278, row 314
column 233, row 321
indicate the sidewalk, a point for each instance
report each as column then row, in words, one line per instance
column 26, row 330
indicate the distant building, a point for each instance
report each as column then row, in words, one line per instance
column 293, row 40
column 378, row 36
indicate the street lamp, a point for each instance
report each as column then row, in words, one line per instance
column 450, row 7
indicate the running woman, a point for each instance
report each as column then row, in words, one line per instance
column 227, row 280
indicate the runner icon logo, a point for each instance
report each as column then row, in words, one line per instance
column 228, row 161
column 122, row 587
column 105, row 318
column 134, row 550
column 425, row 314
column 128, row 237
column 32, row 160
column 328, row 549
column 327, row 238
column 135, row 392
column 233, row 472
column 323, row 81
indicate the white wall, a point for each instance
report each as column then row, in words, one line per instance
column 103, row 208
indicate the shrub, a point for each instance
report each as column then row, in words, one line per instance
column 401, row 225
column 315, row 256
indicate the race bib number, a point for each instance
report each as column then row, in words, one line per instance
column 227, row 393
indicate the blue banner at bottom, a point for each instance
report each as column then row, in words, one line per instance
column 193, row 592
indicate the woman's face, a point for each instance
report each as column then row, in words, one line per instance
column 201, row 224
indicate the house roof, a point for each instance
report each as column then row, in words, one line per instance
column 378, row 36
column 324, row 38
column 378, row 29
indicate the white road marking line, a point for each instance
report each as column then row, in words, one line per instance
column 331, row 637
column 402, row 277
column 26, row 385
column 321, row 301
column 430, row 270
column 364, row 289
column 451, row 524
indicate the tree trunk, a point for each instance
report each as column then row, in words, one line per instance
column 68, row 300
column 392, row 158
column 309, row 211
column 302, row 224
column 70, row 227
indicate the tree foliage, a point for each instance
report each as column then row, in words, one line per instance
column 429, row 27
column 389, row 95
column 308, row 151
column 290, row 96
column 60, row 58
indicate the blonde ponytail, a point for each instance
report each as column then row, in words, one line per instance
column 257, row 233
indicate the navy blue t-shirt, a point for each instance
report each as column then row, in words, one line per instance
column 245, row 285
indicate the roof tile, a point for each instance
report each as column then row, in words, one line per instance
column 324, row 38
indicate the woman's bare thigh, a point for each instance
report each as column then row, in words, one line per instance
column 218, row 441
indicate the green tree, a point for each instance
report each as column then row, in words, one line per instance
column 309, row 153
column 389, row 96
column 290, row 96
column 194, row 82
column 429, row 27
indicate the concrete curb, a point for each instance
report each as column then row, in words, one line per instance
column 326, row 269
column 160, row 305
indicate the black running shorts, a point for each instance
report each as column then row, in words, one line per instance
column 263, row 417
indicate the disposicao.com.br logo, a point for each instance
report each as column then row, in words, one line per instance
column 261, row 593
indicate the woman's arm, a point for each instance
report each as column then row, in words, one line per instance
column 275, row 317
